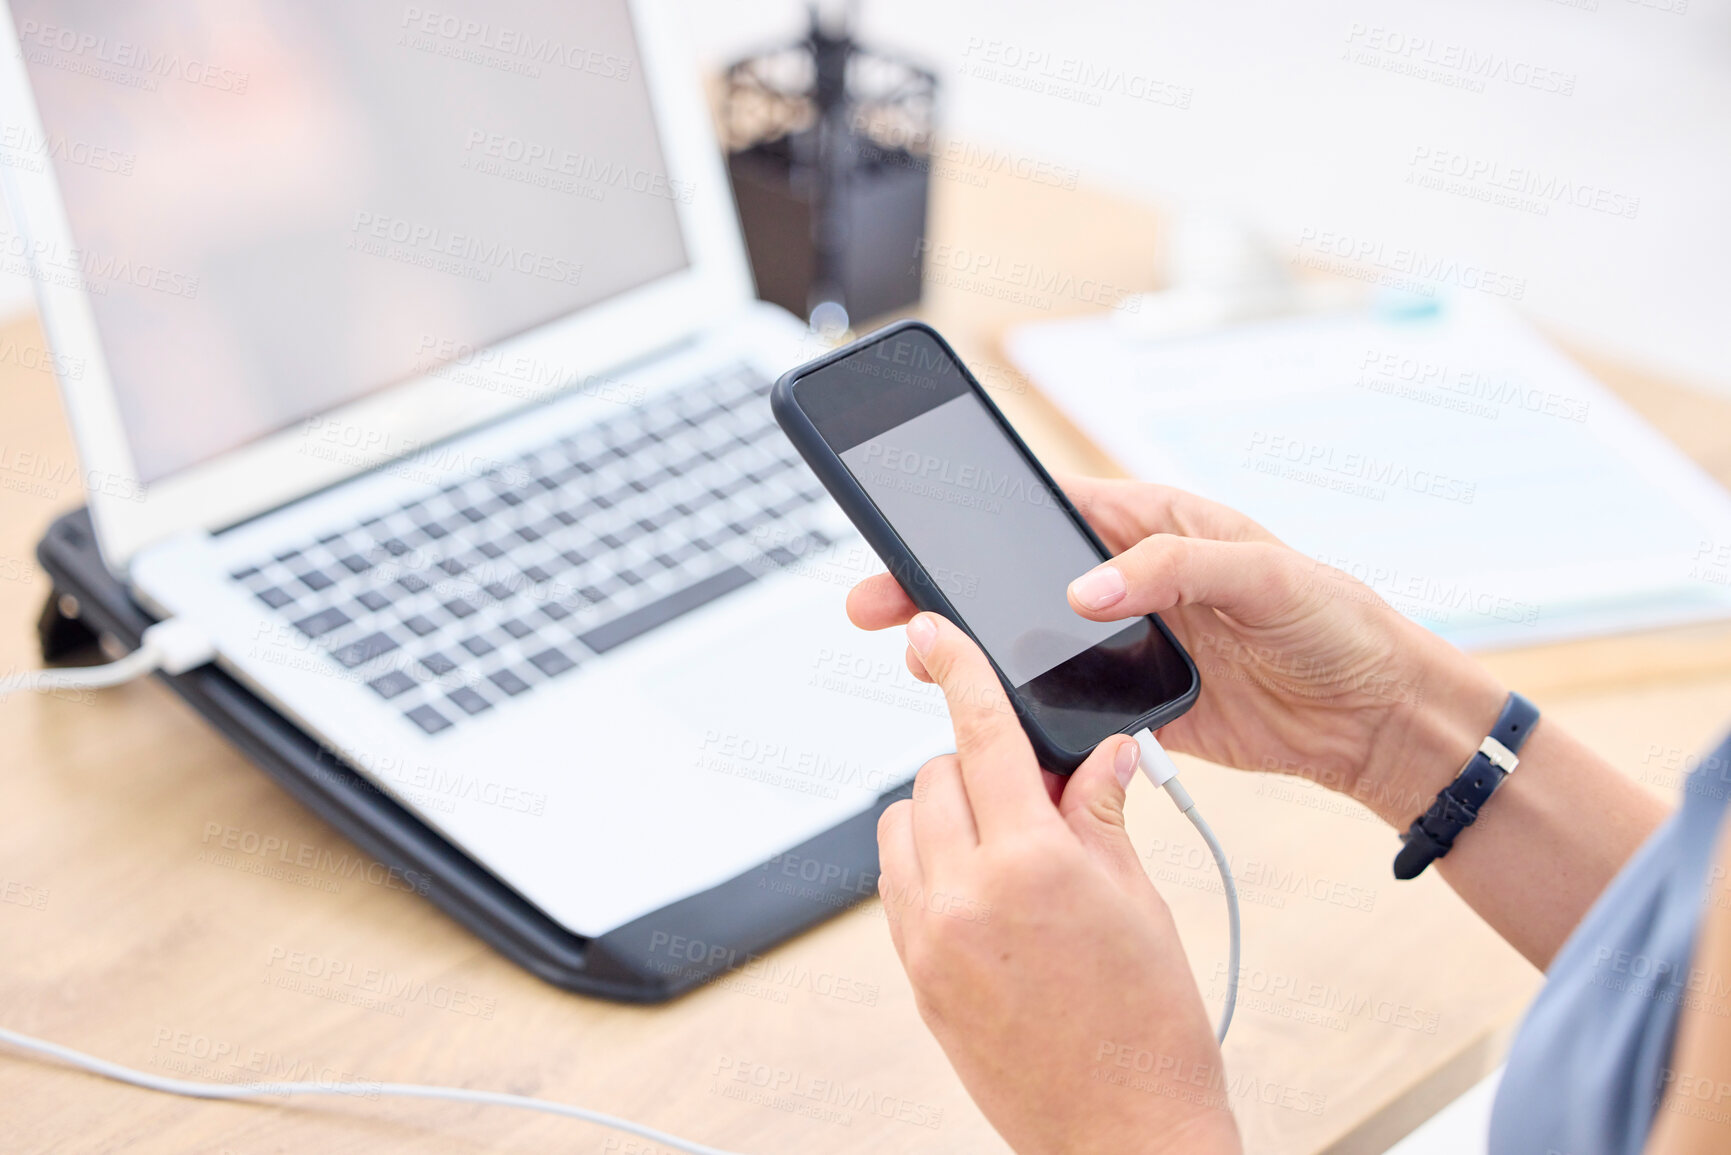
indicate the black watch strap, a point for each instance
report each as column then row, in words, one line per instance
column 1457, row 806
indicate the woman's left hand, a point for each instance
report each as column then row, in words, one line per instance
column 1041, row 956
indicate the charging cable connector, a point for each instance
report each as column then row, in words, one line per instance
column 173, row 647
column 1158, row 768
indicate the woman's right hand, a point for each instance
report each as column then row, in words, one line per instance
column 1304, row 669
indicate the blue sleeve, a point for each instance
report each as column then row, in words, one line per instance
column 1585, row 1074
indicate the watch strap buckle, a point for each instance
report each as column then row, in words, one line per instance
column 1499, row 755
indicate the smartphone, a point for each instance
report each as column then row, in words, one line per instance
column 973, row 527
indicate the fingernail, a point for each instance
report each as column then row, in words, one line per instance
column 1124, row 762
column 922, row 632
column 1098, row 588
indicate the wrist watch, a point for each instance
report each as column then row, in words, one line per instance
column 1457, row 805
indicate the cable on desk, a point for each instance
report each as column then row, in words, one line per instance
column 196, row 1090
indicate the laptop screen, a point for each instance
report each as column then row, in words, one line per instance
column 280, row 206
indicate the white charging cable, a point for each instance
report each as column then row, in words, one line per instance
column 173, row 646
column 198, row 1090
column 1158, row 768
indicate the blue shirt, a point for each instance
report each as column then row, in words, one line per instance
column 1586, row 1072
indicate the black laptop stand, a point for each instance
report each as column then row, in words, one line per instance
column 654, row 958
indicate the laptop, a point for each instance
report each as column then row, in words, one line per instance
column 417, row 362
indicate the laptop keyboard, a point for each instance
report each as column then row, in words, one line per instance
column 456, row 603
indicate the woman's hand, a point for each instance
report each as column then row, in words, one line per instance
column 1304, row 670
column 1040, row 954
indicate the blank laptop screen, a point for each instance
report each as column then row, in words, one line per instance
column 279, row 206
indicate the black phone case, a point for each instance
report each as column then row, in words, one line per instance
column 654, row 958
column 921, row 589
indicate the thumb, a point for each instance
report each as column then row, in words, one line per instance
column 1092, row 805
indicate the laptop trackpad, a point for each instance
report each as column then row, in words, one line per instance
column 703, row 749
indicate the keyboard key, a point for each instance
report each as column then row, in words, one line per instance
column 479, row 646
column 551, row 662
column 489, row 550
column 420, row 625
column 355, row 563
column 434, row 530
column 438, row 664
column 364, row 649
column 458, row 608
column 275, row 598
column 468, row 700
column 315, row 580
column 528, row 533
column 394, row 547
column 241, row 575
column 373, row 600
column 640, row 621
column 472, row 513
column 414, row 583
column 517, row 628
column 565, row 517
column 508, row 682
column 536, row 574
column 323, row 622
column 555, row 611
column 388, row 686
column 428, row 719
column 453, row 566
column 285, row 558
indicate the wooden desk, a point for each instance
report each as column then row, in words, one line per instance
column 131, row 935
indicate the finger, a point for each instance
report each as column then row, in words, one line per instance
column 1256, row 583
column 999, row 770
column 1093, row 807
column 877, row 603
column 916, row 667
column 899, row 874
column 1125, row 512
column 1054, row 784
column 943, row 821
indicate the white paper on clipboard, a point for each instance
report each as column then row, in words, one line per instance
column 1474, row 476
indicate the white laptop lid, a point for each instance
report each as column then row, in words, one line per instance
column 250, row 219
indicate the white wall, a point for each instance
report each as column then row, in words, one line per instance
column 1282, row 128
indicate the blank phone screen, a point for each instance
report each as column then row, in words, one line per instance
column 989, row 534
